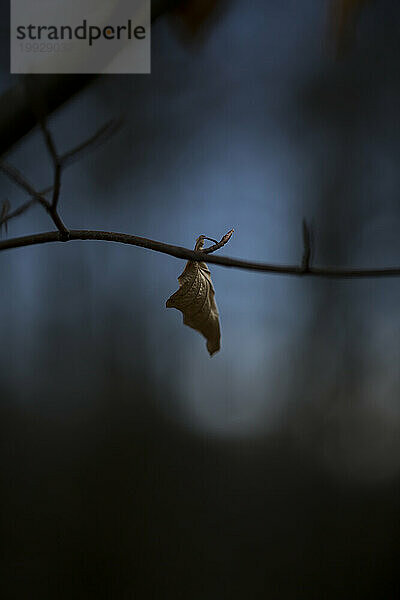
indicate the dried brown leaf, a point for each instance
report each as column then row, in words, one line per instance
column 195, row 298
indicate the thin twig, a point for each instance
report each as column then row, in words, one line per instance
column 18, row 211
column 51, row 147
column 5, row 207
column 225, row 239
column 15, row 176
column 199, row 254
column 22, row 208
column 48, row 138
column 17, row 117
column 99, row 137
column 186, row 254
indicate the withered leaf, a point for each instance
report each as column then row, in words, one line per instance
column 195, row 298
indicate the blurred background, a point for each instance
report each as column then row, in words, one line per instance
column 132, row 464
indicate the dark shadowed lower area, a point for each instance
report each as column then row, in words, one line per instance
column 133, row 465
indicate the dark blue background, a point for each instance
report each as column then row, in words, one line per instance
column 135, row 466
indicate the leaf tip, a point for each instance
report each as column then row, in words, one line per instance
column 212, row 352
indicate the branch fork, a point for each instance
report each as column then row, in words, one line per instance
column 199, row 254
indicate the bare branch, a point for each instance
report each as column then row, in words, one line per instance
column 186, row 254
column 106, row 131
column 60, row 162
column 51, row 147
column 102, row 135
column 17, row 117
column 5, row 207
column 199, row 254
column 18, row 211
column 15, row 176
